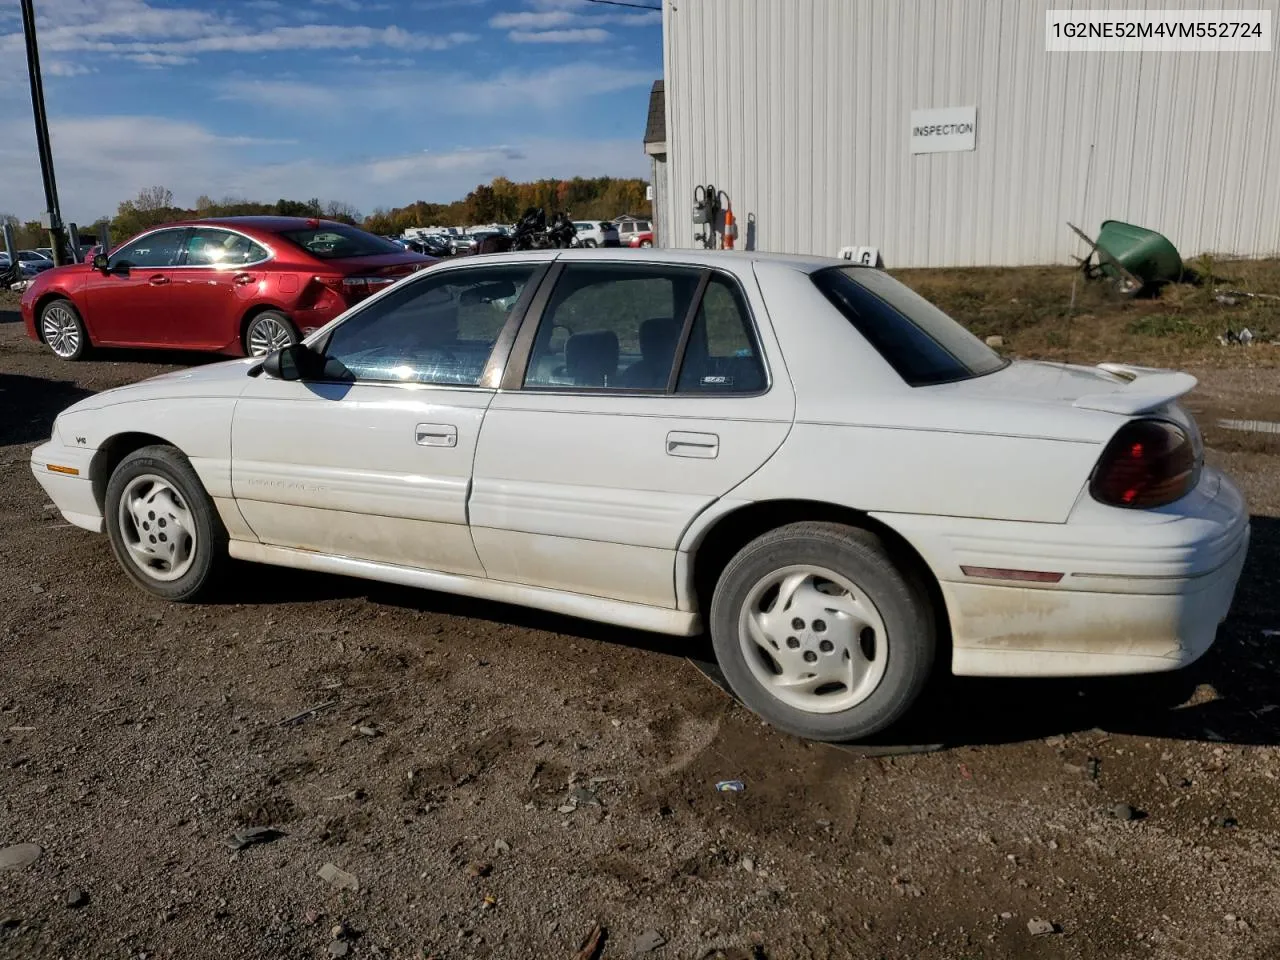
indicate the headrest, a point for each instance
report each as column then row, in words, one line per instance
column 592, row 358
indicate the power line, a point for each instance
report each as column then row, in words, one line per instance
column 623, row 3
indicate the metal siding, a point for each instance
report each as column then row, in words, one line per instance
column 799, row 110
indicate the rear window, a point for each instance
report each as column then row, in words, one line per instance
column 337, row 241
column 919, row 341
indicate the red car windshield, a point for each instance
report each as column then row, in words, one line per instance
column 336, row 241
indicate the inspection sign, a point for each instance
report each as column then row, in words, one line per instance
column 943, row 130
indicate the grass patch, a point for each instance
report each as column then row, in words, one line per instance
column 1031, row 309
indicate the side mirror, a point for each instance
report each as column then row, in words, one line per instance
column 100, row 262
column 296, row 362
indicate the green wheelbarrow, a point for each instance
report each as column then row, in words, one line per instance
column 1135, row 257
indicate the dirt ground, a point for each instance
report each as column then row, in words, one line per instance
column 499, row 781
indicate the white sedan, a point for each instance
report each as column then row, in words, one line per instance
column 801, row 456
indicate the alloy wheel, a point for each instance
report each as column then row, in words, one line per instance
column 267, row 335
column 61, row 331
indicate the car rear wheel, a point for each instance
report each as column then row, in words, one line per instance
column 588, row 242
column 63, row 330
column 268, row 332
column 163, row 528
column 818, row 631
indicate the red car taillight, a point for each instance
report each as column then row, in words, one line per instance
column 1148, row 463
column 351, row 289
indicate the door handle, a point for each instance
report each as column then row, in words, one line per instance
column 240, row 279
column 436, row 435
column 682, row 444
column 158, row 279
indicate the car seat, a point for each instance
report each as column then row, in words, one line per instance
column 591, row 359
column 658, row 338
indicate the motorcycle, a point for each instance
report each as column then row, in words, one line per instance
column 533, row 232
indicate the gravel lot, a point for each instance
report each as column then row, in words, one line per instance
column 499, row 781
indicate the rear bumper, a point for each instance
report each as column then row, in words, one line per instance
column 1023, row 632
column 72, row 494
column 1139, row 591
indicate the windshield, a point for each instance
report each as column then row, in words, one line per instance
column 918, row 340
column 337, row 241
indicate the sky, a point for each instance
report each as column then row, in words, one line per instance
column 370, row 102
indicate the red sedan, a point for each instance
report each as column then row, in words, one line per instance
column 642, row 239
column 237, row 285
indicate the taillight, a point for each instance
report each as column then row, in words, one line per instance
column 1148, row 463
column 352, row 289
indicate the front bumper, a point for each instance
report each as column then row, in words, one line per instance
column 1140, row 591
column 72, row 493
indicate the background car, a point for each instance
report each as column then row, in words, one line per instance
column 642, row 239
column 844, row 499
column 234, row 285
column 596, row 233
column 34, row 262
column 629, row 229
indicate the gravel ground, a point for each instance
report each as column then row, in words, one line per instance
column 499, row 781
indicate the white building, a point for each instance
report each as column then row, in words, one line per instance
column 802, row 112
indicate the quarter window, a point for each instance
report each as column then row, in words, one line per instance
column 159, row 249
column 611, row 327
column 439, row 329
column 207, row 247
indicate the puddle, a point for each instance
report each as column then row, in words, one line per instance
column 1251, row 426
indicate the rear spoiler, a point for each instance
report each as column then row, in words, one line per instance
column 1146, row 389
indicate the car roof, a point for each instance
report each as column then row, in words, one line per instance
column 265, row 224
column 723, row 259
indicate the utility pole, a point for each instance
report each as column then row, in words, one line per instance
column 52, row 220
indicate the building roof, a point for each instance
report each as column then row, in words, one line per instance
column 655, row 130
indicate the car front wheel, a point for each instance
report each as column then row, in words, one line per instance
column 818, row 631
column 268, row 332
column 63, row 330
column 588, row 242
column 163, row 528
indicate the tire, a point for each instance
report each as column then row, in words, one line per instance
column 589, row 243
column 646, row 243
column 838, row 583
column 169, row 497
column 268, row 332
column 63, row 331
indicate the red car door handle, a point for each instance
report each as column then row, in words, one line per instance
column 242, row 278
column 158, row 279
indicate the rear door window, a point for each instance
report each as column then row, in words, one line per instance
column 611, row 327
column 207, row 247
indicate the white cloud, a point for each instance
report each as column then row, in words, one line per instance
column 136, row 29
column 158, row 59
column 62, row 68
column 103, row 160
column 567, row 13
column 584, row 35
column 352, row 6
column 400, row 92
column 531, row 20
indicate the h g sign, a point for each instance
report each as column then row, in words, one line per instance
column 947, row 129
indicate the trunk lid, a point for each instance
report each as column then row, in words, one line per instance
column 1116, row 388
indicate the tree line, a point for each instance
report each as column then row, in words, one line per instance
column 500, row 201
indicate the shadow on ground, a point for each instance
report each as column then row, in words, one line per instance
column 1231, row 694
column 28, row 406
